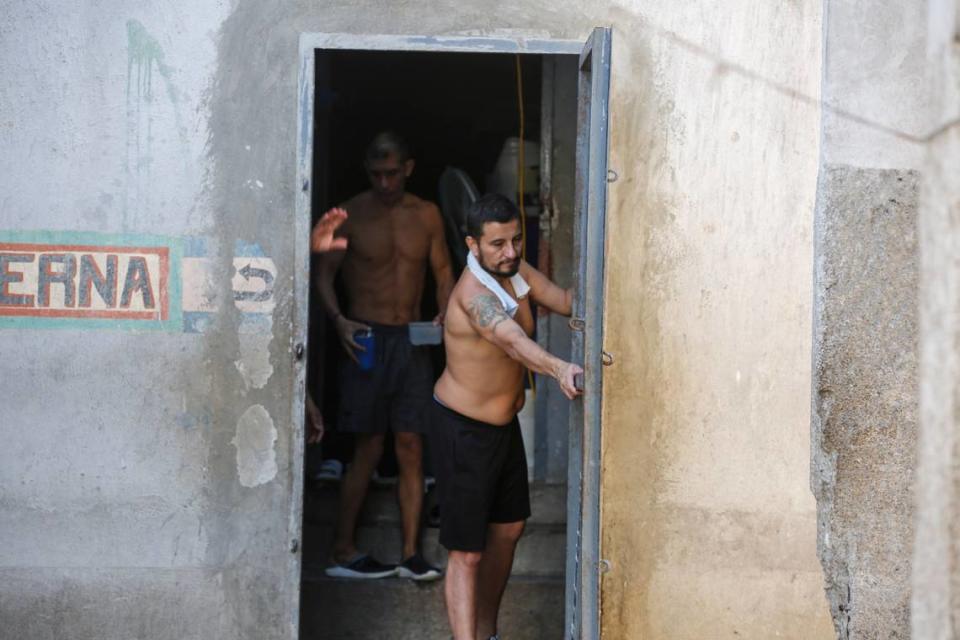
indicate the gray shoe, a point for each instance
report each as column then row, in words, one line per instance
column 361, row 567
column 418, row 569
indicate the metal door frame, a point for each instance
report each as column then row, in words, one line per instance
column 583, row 552
column 584, row 564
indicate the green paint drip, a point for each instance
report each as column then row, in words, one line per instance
column 144, row 51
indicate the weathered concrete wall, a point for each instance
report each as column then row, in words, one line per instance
column 148, row 472
column 865, row 381
column 708, row 520
column 133, row 467
column 865, row 350
column 936, row 554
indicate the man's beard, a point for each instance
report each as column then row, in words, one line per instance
column 500, row 274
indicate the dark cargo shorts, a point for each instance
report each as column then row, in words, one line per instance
column 394, row 394
column 481, row 472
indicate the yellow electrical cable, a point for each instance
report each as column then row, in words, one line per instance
column 521, row 170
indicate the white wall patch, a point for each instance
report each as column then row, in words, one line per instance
column 254, row 363
column 255, row 440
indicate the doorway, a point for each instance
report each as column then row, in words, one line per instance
column 459, row 104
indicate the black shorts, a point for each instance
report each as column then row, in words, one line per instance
column 394, row 394
column 481, row 472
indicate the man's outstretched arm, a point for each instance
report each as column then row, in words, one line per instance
column 491, row 321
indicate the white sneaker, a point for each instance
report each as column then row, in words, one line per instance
column 330, row 471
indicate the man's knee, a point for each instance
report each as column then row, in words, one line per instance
column 409, row 448
column 507, row 531
column 469, row 560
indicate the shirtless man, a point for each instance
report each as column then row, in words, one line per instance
column 478, row 453
column 393, row 236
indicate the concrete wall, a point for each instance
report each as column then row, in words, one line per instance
column 865, row 362
column 708, row 520
column 140, row 493
column 148, row 472
column 936, row 555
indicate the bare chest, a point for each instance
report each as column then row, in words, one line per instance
column 389, row 241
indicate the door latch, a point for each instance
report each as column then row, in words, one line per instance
column 298, row 351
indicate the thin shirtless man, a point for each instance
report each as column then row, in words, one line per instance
column 393, row 236
column 478, row 453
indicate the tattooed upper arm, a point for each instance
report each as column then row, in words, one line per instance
column 486, row 311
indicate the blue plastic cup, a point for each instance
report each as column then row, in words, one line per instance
column 367, row 358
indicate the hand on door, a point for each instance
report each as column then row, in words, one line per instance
column 568, row 380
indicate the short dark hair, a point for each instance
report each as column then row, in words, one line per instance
column 492, row 207
column 386, row 144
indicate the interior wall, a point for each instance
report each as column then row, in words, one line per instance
column 553, row 332
column 707, row 518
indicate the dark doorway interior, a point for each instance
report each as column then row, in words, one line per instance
column 454, row 109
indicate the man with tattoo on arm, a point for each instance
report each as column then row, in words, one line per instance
column 393, row 236
column 477, row 450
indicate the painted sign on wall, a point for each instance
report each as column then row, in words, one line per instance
column 86, row 280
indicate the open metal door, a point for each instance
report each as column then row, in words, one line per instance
column 583, row 497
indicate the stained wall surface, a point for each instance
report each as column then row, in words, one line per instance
column 708, row 520
column 935, row 598
column 150, row 481
column 866, row 327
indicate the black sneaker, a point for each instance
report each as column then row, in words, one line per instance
column 362, row 567
column 416, row 568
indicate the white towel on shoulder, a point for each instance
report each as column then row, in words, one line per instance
column 519, row 285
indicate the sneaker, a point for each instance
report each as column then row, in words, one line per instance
column 428, row 483
column 416, row 568
column 330, row 471
column 361, row 567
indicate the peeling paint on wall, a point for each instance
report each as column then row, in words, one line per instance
column 254, row 363
column 255, row 441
